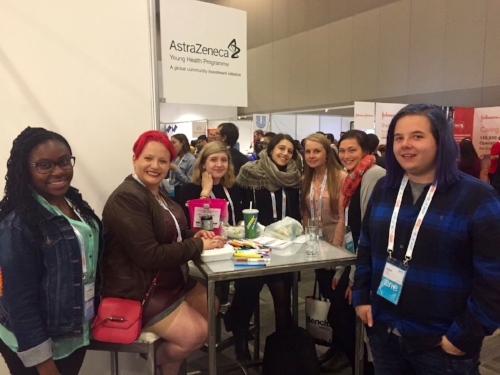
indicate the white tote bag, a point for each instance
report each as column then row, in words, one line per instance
column 316, row 318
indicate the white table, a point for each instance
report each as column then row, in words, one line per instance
column 290, row 259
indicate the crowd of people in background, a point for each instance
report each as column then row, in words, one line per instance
column 413, row 208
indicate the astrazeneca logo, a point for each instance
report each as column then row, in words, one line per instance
column 234, row 48
column 200, row 49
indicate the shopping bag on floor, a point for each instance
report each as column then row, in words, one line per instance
column 316, row 318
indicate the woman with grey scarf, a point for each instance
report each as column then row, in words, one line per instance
column 273, row 184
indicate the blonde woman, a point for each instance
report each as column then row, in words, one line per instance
column 321, row 195
column 213, row 177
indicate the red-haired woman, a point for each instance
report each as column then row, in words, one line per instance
column 145, row 231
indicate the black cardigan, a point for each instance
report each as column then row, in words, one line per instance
column 263, row 203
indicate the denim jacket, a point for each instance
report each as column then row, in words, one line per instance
column 42, row 296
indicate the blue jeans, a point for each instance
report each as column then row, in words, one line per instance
column 390, row 357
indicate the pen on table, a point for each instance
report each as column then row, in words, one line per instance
column 249, row 264
column 253, row 260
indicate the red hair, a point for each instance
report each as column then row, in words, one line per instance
column 153, row 136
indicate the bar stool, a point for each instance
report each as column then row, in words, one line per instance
column 147, row 343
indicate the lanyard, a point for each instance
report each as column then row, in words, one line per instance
column 229, row 200
column 81, row 243
column 172, row 178
column 346, row 216
column 320, row 197
column 283, row 205
column 179, row 234
column 418, row 223
column 164, row 206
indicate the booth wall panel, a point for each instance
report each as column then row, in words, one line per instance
column 265, row 16
column 306, row 124
column 298, row 16
column 298, row 70
column 81, row 69
column 331, row 124
column 427, row 40
column 394, row 51
column 464, row 44
column 58, row 72
column 251, row 7
column 346, row 122
column 281, row 19
column 386, row 49
column 173, row 112
column 264, row 79
column 490, row 96
column 281, row 73
column 492, row 45
column 341, row 9
column 318, row 66
column 283, row 124
column 365, row 54
column 340, row 60
column 253, row 74
column 318, row 14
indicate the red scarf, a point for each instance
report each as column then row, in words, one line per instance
column 354, row 178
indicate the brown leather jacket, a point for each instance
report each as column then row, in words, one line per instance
column 134, row 242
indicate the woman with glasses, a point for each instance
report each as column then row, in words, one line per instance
column 181, row 168
column 145, row 232
column 50, row 245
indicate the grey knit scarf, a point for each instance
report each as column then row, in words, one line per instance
column 264, row 174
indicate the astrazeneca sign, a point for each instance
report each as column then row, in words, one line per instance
column 204, row 53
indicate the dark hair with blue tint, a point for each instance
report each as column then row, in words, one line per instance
column 447, row 150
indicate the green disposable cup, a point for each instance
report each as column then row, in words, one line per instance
column 250, row 216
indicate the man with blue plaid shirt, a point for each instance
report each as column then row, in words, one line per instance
column 427, row 280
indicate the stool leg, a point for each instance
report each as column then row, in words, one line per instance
column 151, row 361
column 183, row 368
column 114, row 362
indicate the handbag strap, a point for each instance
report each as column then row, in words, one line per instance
column 316, row 283
column 151, row 288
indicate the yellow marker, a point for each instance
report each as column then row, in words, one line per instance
column 247, row 255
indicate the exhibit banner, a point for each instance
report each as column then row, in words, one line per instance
column 204, row 53
column 262, row 122
column 364, row 115
column 463, row 123
column 384, row 114
column 486, row 129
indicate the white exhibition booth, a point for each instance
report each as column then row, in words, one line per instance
column 89, row 71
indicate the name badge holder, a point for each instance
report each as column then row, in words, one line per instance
column 320, row 204
column 391, row 284
column 283, row 205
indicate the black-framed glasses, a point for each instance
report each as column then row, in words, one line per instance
column 47, row 166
